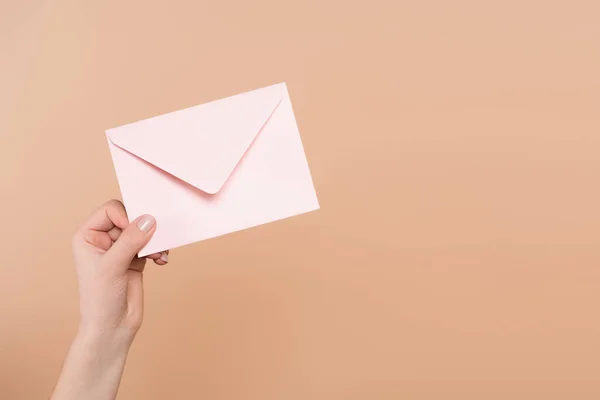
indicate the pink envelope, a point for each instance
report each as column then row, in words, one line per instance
column 215, row 168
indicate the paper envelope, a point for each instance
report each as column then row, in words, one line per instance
column 215, row 168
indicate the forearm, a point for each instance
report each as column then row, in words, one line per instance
column 93, row 367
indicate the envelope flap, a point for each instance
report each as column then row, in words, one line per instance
column 201, row 145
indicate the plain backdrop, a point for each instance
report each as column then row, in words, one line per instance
column 454, row 148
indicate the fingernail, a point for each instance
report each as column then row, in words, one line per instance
column 146, row 223
column 164, row 257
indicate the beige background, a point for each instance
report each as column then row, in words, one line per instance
column 454, row 147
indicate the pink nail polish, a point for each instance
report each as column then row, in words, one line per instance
column 146, row 223
column 164, row 257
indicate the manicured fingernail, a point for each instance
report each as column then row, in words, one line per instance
column 146, row 223
column 164, row 256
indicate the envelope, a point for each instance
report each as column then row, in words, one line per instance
column 215, row 168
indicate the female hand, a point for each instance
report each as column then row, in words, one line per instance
column 108, row 270
column 111, row 300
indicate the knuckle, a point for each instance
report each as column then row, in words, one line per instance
column 126, row 244
column 129, row 241
column 114, row 203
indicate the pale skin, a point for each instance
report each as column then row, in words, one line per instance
column 111, row 298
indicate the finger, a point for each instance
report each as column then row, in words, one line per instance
column 114, row 233
column 111, row 214
column 138, row 264
column 98, row 239
column 154, row 256
column 130, row 242
column 164, row 258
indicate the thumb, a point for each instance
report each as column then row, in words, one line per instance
column 130, row 242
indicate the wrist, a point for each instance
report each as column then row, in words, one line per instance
column 94, row 365
column 105, row 340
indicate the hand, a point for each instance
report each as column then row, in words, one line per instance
column 109, row 273
column 111, row 301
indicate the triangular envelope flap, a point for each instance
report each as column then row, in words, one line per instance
column 201, row 145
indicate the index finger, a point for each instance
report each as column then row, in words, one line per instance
column 111, row 214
